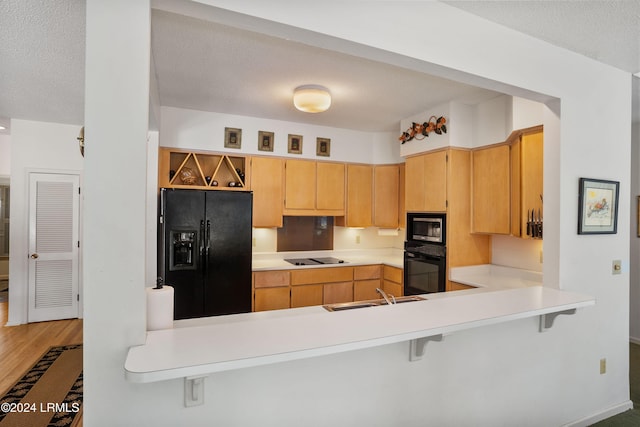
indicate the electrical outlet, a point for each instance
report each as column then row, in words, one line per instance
column 603, row 366
column 540, row 257
column 358, row 240
column 616, row 266
column 253, row 242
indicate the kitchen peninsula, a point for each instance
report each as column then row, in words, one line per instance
column 199, row 347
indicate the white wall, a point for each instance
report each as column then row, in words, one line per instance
column 35, row 147
column 116, row 215
column 634, row 266
column 470, row 377
column 5, row 155
column 201, row 130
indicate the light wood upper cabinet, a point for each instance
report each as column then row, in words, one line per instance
column 330, row 186
column 527, row 180
column 314, row 188
column 402, row 210
column 414, row 184
column 266, row 183
column 435, row 176
column 507, row 183
column 386, row 184
column 426, row 182
column 359, row 196
column 490, row 190
column 300, row 184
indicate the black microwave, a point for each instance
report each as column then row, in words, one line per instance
column 427, row 227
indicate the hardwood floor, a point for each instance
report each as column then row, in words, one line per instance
column 21, row 346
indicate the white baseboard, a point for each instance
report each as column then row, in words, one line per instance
column 603, row 415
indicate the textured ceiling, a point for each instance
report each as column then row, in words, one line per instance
column 208, row 67
column 605, row 30
column 42, row 46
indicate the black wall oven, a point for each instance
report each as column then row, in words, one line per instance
column 425, row 261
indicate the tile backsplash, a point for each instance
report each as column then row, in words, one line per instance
column 265, row 239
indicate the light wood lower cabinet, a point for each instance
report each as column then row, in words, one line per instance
column 271, row 290
column 366, row 289
column 306, row 295
column 366, row 279
column 393, row 281
column 337, row 292
column 454, row 286
column 271, row 299
column 315, row 286
column 302, row 287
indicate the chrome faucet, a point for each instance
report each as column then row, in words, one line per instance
column 389, row 301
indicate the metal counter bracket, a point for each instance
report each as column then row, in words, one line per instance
column 417, row 346
column 546, row 320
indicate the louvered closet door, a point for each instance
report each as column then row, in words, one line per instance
column 53, row 246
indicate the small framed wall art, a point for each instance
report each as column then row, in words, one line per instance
column 295, row 144
column 265, row 141
column 323, row 147
column 598, row 206
column 232, row 138
column 638, row 217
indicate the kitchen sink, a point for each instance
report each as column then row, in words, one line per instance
column 408, row 299
column 349, row 305
column 368, row 303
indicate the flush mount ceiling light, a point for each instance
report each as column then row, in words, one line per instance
column 311, row 98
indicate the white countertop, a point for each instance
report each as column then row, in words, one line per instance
column 276, row 260
column 204, row 346
column 495, row 277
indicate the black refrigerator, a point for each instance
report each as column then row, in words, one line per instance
column 205, row 250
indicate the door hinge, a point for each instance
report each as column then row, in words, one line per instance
column 446, row 203
column 78, row 297
column 78, row 190
column 78, row 243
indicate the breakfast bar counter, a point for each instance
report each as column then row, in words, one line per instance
column 199, row 347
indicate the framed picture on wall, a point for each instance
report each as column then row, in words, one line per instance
column 295, row 144
column 323, row 147
column 265, row 141
column 598, row 206
column 638, row 217
column 232, row 138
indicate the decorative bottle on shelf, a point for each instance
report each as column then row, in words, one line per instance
column 240, row 174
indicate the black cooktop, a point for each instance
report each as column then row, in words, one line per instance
column 314, row 261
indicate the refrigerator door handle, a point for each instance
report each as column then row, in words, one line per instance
column 202, row 259
column 207, row 244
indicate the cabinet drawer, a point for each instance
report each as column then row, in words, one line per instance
column 271, row 279
column 309, row 276
column 271, row 299
column 393, row 274
column 366, row 272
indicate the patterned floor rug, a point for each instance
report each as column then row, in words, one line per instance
column 48, row 394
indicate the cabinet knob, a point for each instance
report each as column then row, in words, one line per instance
column 34, row 256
